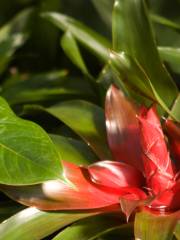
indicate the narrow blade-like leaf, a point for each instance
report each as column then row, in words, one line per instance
column 136, row 39
column 90, row 39
column 32, row 224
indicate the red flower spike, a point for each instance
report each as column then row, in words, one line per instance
column 122, row 128
column 173, row 132
column 159, row 169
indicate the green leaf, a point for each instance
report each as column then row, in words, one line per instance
column 175, row 111
column 87, row 120
column 136, row 39
column 71, row 49
column 104, row 9
column 17, row 25
column 45, row 87
column 171, row 56
column 12, row 36
column 164, row 21
column 90, row 39
column 74, row 151
column 131, row 73
column 150, row 226
column 8, row 47
column 90, row 228
column 177, row 231
column 27, row 155
column 33, row 224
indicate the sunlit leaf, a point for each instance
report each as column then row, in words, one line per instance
column 27, row 155
column 73, row 150
column 136, row 39
column 31, row 224
column 87, row 120
column 78, row 193
column 12, row 36
column 171, row 56
column 150, row 226
column 92, row 40
column 165, row 21
column 71, row 49
column 131, row 73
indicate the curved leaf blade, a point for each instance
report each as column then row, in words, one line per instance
column 72, row 150
column 33, row 224
column 136, row 39
column 71, row 49
column 90, row 228
column 27, row 155
column 87, row 120
column 90, row 39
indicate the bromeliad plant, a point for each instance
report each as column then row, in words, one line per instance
column 142, row 179
column 125, row 181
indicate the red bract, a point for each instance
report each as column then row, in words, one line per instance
column 142, row 175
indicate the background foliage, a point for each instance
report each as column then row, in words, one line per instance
column 47, row 59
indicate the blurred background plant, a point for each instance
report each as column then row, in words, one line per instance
column 52, row 51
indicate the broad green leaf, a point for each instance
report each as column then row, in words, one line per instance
column 150, row 226
column 33, row 224
column 90, row 228
column 171, row 56
column 164, row 21
column 27, row 155
column 104, row 9
column 136, row 39
column 87, row 120
column 71, row 49
column 45, row 87
column 90, row 39
column 72, row 150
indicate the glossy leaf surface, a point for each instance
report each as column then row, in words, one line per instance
column 71, row 49
column 90, row 39
column 33, row 224
column 27, row 155
column 89, row 229
column 171, row 56
column 137, row 40
column 74, row 151
column 87, row 120
column 151, row 226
